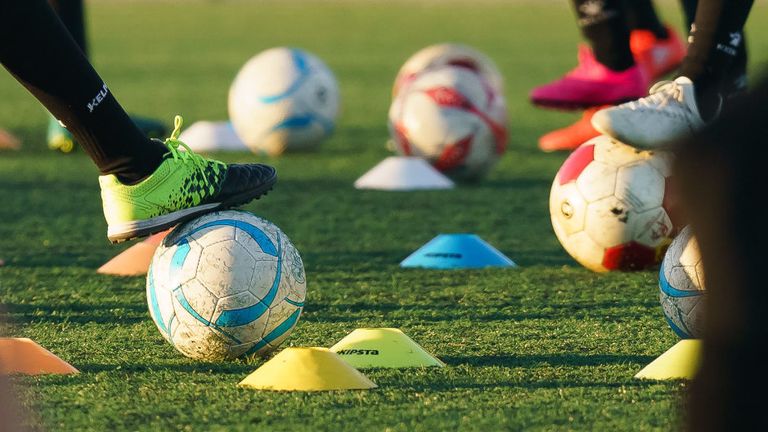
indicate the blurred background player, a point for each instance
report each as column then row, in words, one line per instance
column 721, row 173
column 713, row 70
column 72, row 14
column 629, row 47
column 146, row 185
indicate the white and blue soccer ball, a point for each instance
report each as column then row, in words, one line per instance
column 681, row 286
column 283, row 99
column 226, row 285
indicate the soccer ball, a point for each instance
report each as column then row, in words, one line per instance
column 454, row 119
column 225, row 285
column 283, row 99
column 681, row 286
column 611, row 207
column 448, row 54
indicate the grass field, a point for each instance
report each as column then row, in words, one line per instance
column 548, row 346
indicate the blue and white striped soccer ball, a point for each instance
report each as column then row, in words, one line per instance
column 681, row 285
column 283, row 99
column 225, row 285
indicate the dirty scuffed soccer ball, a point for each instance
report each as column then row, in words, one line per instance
column 225, row 285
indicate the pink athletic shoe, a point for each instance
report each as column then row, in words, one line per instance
column 591, row 84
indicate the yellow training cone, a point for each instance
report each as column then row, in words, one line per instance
column 306, row 369
column 24, row 356
column 679, row 362
column 383, row 348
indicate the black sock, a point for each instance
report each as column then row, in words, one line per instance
column 641, row 15
column 735, row 80
column 72, row 14
column 689, row 10
column 716, row 38
column 604, row 24
column 41, row 54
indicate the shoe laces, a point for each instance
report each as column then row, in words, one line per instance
column 180, row 151
column 662, row 94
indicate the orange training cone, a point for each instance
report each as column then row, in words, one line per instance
column 135, row 260
column 8, row 141
column 23, row 356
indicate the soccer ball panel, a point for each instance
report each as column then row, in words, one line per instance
column 283, row 316
column 615, row 153
column 662, row 161
column 193, row 301
column 606, row 222
column 198, row 341
column 597, row 181
column 160, row 301
column 653, row 228
column 681, row 289
column 629, row 256
column 293, row 275
column 690, row 255
column 586, row 251
column 640, row 185
column 567, row 208
column 226, row 267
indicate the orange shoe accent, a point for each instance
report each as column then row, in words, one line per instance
column 23, row 356
column 657, row 57
column 570, row 137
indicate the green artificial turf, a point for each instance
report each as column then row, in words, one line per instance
column 548, row 346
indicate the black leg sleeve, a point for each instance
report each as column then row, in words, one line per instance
column 604, row 24
column 39, row 51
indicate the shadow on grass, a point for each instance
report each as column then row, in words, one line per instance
column 551, row 360
column 515, row 184
column 77, row 313
column 240, row 369
column 606, row 311
column 440, row 385
column 358, row 261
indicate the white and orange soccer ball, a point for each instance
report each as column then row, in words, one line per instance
column 452, row 117
column 448, row 54
column 611, row 206
column 681, row 286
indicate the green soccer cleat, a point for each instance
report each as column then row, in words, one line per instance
column 60, row 139
column 184, row 186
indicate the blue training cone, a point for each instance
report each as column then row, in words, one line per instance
column 457, row 251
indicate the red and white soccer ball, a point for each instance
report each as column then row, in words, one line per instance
column 448, row 54
column 611, row 206
column 452, row 117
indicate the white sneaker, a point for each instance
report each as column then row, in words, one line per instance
column 668, row 113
